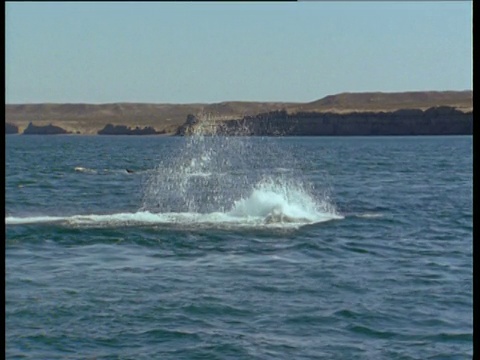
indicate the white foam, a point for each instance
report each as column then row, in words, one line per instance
column 282, row 202
column 216, row 219
column 369, row 215
column 12, row 220
column 200, row 174
column 84, row 170
column 269, row 205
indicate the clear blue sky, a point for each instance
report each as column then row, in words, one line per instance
column 174, row 52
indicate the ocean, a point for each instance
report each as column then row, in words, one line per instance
column 151, row 247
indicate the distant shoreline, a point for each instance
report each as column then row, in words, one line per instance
column 263, row 118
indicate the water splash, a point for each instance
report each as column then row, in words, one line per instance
column 282, row 201
column 270, row 204
column 241, row 177
column 218, row 181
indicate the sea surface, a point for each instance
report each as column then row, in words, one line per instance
column 238, row 247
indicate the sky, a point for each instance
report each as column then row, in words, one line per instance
column 208, row 52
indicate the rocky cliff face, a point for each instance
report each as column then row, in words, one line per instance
column 190, row 126
column 110, row 129
column 433, row 121
column 44, row 130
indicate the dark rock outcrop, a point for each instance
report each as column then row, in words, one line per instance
column 433, row 121
column 188, row 126
column 44, row 130
column 110, row 129
column 11, row 129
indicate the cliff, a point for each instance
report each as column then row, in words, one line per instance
column 433, row 121
column 110, row 129
column 44, row 130
column 89, row 119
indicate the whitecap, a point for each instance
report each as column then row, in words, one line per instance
column 84, row 170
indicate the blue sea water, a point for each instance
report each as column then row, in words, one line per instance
column 238, row 247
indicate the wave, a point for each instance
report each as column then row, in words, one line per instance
column 266, row 207
column 12, row 220
column 144, row 218
column 85, row 170
column 368, row 215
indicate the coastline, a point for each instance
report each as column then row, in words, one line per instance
column 406, row 113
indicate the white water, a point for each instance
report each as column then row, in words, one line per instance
column 270, row 204
column 282, row 202
column 266, row 206
column 85, row 170
column 220, row 182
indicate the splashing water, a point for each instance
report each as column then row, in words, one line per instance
column 242, row 178
column 218, row 181
column 281, row 202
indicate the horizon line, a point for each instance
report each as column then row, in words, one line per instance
column 237, row 101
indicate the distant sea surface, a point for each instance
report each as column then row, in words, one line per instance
column 149, row 247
